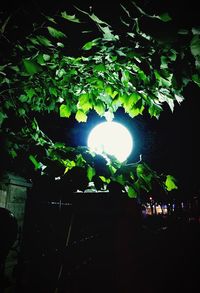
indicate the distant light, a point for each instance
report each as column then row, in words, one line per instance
column 111, row 138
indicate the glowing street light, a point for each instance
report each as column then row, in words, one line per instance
column 111, row 138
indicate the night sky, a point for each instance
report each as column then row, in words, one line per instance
column 170, row 144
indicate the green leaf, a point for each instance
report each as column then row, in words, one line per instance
column 155, row 109
column 23, row 98
column 30, row 93
column 180, row 98
column 90, row 173
column 164, row 62
column 197, row 62
column 195, row 46
column 44, row 41
column 53, row 91
column 61, row 45
column 46, row 57
column 100, row 68
column 3, row 116
column 90, row 44
column 165, row 17
column 165, row 82
column 137, row 109
column 120, row 179
column 69, row 17
column 50, row 19
column 81, row 116
column 115, row 105
column 80, row 161
column 196, row 30
column 15, row 68
column 145, row 175
column 134, row 112
column 129, row 101
column 196, row 79
column 60, row 72
column 99, row 108
column 34, row 41
column 125, row 77
column 65, row 111
column 131, row 192
column 97, row 20
column 107, row 33
column 84, row 102
column 21, row 111
column 40, row 59
column 55, row 33
column 13, row 153
column 172, row 55
column 104, row 179
column 170, row 183
column 31, row 67
column 35, row 162
column 69, row 164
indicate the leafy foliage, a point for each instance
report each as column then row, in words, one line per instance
column 133, row 70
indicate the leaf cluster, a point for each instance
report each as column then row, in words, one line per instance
column 133, row 70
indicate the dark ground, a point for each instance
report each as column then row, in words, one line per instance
column 111, row 248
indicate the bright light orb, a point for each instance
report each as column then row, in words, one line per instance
column 111, row 138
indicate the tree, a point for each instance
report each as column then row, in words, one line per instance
column 135, row 69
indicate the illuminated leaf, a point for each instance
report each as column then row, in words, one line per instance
column 100, row 68
column 107, row 33
column 34, row 161
column 120, row 179
column 179, row 98
column 90, row 173
column 65, row 111
column 81, row 116
column 46, row 57
column 84, row 102
column 170, row 183
column 131, row 192
column 55, row 33
column 61, row 45
column 80, row 161
column 69, row 17
column 44, row 41
column 155, row 109
column 89, row 45
column 99, row 108
column 104, row 179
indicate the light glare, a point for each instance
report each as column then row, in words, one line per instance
column 111, row 138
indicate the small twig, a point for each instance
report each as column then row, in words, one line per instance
column 143, row 12
column 66, row 245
